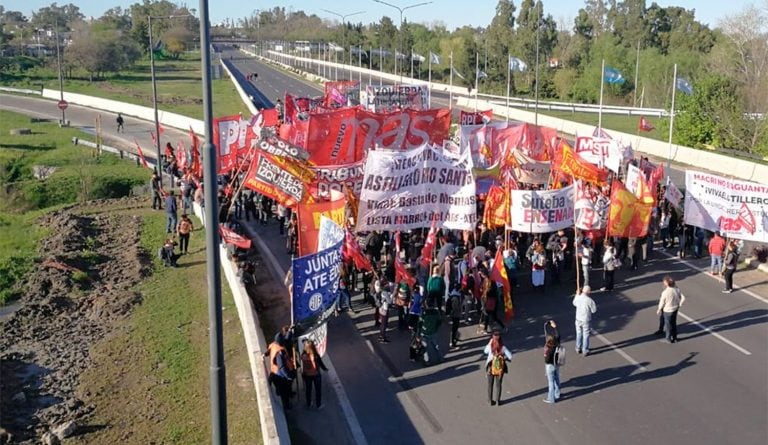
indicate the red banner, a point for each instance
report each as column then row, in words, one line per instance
column 536, row 142
column 476, row 118
column 141, row 154
column 497, row 212
column 499, row 275
column 231, row 237
column 309, row 221
column 628, row 216
column 298, row 108
column 351, row 251
column 194, row 151
column 337, row 178
column 234, row 138
column 342, row 136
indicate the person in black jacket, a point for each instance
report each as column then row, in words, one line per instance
column 550, row 362
column 730, row 263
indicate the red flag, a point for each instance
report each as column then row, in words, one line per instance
column 195, row 164
column 645, row 124
column 181, row 155
column 656, row 176
column 230, row 237
column 271, row 117
column 429, row 245
column 141, row 154
column 499, row 275
column 351, row 251
column 154, row 139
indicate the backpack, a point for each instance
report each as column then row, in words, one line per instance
column 497, row 365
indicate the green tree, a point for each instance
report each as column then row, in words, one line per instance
column 706, row 118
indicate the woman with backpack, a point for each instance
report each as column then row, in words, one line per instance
column 496, row 359
column 311, row 364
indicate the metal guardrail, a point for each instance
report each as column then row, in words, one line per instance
column 519, row 102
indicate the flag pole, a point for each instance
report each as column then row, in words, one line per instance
column 411, row 64
column 477, row 77
column 450, row 94
column 381, row 65
column 600, row 110
column 637, row 70
column 509, row 75
column 429, row 82
column 672, row 116
column 359, row 65
column 576, row 246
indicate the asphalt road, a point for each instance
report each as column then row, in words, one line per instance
column 710, row 387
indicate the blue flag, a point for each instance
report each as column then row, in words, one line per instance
column 315, row 286
column 613, row 76
column 516, row 64
column 684, row 86
column 434, row 58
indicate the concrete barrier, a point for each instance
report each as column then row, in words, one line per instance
column 246, row 100
column 274, row 427
column 21, row 91
column 146, row 113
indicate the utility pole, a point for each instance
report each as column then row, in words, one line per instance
column 61, row 77
column 400, row 42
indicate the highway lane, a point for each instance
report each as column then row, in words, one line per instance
column 634, row 388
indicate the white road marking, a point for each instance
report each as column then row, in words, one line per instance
column 705, row 271
column 620, row 351
column 723, row 339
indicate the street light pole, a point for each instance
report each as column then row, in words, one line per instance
column 159, row 164
column 343, row 18
column 213, row 261
column 400, row 40
column 61, row 78
column 538, row 27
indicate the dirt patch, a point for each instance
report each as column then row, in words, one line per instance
column 71, row 300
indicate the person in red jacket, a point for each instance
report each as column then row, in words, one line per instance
column 716, row 248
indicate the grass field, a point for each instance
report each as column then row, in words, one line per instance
column 179, row 87
column 625, row 124
column 151, row 379
column 78, row 175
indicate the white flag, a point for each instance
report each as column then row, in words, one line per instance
column 434, row 58
column 457, row 74
column 481, row 74
column 516, row 64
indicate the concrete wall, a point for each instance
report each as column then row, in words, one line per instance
column 244, row 97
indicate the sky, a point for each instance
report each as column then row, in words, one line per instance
column 454, row 13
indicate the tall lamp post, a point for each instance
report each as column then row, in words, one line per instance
column 343, row 18
column 400, row 42
column 159, row 165
column 538, row 39
column 61, row 77
column 213, row 261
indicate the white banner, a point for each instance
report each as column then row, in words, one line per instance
column 318, row 336
column 600, row 151
column 632, row 181
column 329, row 234
column 531, row 171
column 590, row 210
column 405, row 190
column 673, row 195
column 738, row 209
column 542, row 211
column 387, row 98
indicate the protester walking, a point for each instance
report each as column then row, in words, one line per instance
column 610, row 263
column 311, row 365
column 282, row 370
column 184, row 230
column 120, row 121
column 455, row 311
column 731, row 261
column 171, row 214
column 538, row 267
column 429, row 324
column 157, row 191
column 496, row 357
column 585, row 307
column 551, row 366
column 669, row 304
column 435, row 288
column 716, row 248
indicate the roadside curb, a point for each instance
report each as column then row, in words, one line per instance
column 753, row 263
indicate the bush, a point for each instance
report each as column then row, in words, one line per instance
column 11, row 272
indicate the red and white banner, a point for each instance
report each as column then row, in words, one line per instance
column 337, row 177
column 411, row 189
column 475, row 118
column 298, row 108
column 590, row 212
column 309, row 221
column 268, row 176
column 738, row 209
column 542, row 211
column 341, row 137
column 231, row 237
column 234, row 137
column 602, row 152
column 343, row 93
